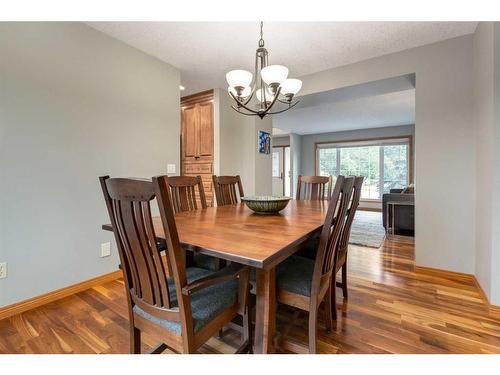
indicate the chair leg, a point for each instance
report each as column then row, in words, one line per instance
column 313, row 319
column 328, row 311
column 333, row 300
column 247, row 331
column 344, row 280
column 135, row 340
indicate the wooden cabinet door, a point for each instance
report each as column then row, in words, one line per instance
column 190, row 131
column 205, row 130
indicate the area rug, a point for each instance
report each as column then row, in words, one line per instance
column 367, row 229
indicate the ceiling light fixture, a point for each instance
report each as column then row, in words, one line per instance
column 181, row 87
column 271, row 85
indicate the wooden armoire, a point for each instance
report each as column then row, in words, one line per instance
column 197, row 139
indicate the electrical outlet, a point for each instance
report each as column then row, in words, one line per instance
column 3, row 270
column 105, row 249
column 170, row 168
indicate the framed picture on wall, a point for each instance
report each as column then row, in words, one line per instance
column 264, row 142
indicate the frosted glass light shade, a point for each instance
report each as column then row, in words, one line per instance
column 291, row 86
column 274, row 74
column 239, row 78
column 260, row 96
column 246, row 91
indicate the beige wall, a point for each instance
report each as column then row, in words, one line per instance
column 444, row 143
column 75, row 104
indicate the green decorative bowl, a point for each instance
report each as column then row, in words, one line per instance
column 266, row 205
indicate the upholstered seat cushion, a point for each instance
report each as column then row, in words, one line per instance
column 206, row 304
column 293, row 274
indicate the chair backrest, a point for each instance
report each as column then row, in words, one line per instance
column 314, row 187
column 351, row 212
column 129, row 206
column 183, row 192
column 330, row 235
column 225, row 189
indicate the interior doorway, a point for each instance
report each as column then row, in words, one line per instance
column 281, row 171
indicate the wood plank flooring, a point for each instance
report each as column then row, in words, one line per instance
column 391, row 309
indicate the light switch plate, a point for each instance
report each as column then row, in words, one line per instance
column 105, row 249
column 170, row 168
column 3, row 270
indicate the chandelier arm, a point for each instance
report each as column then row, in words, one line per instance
column 281, row 101
column 283, row 110
column 242, row 105
column 250, row 96
column 243, row 113
column 272, row 103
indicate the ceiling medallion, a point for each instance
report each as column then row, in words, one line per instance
column 269, row 83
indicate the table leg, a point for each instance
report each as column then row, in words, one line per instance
column 265, row 320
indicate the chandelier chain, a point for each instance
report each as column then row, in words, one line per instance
column 261, row 40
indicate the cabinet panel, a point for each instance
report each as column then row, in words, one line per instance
column 206, row 132
column 190, row 130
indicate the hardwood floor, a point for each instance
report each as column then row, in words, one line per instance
column 391, row 309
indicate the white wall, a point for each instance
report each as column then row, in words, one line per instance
column 75, row 104
column 237, row 146
column 444, row 146
column 487, row 96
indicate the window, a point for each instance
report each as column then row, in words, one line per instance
column 383, row 163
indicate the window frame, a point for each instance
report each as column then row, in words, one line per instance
column 381, row 141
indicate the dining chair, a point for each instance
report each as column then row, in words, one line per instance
column 225, row 189
column 340, row 257
column 183, row 194
column 314, row 187
column 305, row 283
column 187, row 308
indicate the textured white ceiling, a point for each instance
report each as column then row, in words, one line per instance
column 205, row 51
column 376, row 104
column 397, row 108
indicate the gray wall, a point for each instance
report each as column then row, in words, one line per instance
column 444, row 142
column 74, row 104
column 486, row 90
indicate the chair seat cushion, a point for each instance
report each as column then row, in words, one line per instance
column 310, row 248
column 206, row 304
column 295, row 275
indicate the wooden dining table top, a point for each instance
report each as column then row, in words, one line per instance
column 236, row 233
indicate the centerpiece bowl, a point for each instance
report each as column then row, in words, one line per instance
column 265, row 204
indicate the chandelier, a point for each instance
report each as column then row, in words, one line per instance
column 269, row 84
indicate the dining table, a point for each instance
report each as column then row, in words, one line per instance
column 237, row 234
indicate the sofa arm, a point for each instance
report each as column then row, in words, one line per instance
column 393, row 197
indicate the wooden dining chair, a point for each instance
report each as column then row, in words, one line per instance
column 187, row 308
column 183, row 194
column 305, row 283
column 314, row 188
column 340, row 257
column 225, row 189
